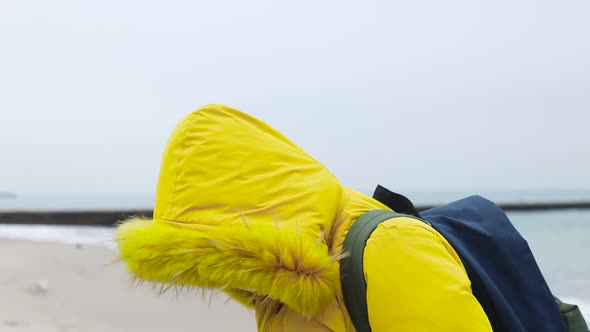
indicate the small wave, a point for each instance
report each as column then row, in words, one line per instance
column 86, row 235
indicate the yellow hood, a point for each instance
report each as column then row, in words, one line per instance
column 242, row 209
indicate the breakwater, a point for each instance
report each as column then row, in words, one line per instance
column 110, row 218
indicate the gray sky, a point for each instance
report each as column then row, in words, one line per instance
column 417, row 95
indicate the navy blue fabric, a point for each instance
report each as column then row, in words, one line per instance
column 504, row 274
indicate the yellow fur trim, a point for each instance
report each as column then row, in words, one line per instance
column 259, row 259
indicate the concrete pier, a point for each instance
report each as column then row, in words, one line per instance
column 110, row 218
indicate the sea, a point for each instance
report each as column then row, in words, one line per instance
column 559, row 239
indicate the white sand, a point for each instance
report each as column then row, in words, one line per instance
column 47, row 287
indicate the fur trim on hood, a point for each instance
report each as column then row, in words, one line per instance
column 244, row 261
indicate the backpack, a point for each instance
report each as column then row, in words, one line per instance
column 489, row 247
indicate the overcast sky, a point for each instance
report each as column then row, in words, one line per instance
column 416, row 95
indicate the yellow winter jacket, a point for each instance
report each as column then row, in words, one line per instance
column 242, row 209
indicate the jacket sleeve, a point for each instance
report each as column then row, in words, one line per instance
column 416, row 282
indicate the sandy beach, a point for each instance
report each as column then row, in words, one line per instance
column 46, row 287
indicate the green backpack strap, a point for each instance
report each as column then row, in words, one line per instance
column 572, row 317
column 354, row 286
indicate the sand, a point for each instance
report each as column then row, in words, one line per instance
column 46, row 287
